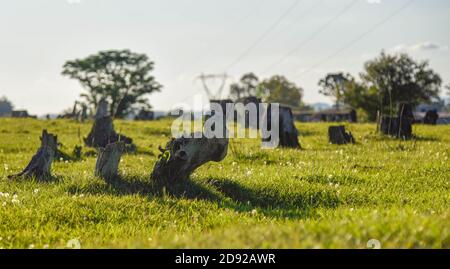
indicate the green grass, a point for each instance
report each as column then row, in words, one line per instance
column 323, row 196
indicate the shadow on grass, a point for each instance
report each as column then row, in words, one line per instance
column 224, row 192
column 270, row 198
column 425, row 139
column 135, row 185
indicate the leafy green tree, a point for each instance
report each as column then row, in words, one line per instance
column 334, row 85
column 278, row 89
column 120, row 76
column 246, row 87
column 362, row 98
column 6, row 107
column 398, row 78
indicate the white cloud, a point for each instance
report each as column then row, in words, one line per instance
column 73, row 2
column 423, row 46
column 374, row 2
column 429, row 46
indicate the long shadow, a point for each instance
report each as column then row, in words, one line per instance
column 425, row 139
column 134, row 185
column 274, row 199
column 226, row 193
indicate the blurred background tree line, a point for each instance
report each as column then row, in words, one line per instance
column 385, row 82
column 124, row 79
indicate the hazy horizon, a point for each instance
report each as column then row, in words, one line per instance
column 185, row 38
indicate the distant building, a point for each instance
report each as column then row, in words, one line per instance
column 443, row 117
column 439, row 107
column 145, row 115
column 435, row 106
column 329, row 115
column 21, row 114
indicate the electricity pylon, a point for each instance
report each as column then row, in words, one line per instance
column 214, row 77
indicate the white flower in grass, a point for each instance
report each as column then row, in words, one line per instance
column 45, row 246
column 31, row 246
column 36, row 191
column 254, row 212
column 4, row 204
column 15, row 201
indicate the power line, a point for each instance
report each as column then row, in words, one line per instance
column 360, row 37
column 312, row 36
column 302, row 16
column 210, row 50
column 264, row 34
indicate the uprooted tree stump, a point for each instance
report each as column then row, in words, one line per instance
column 400, row 126
column 103, row 132
column 339, row 136
column 40, row 165
column 288, row 133
column 108, row 160
column 182, row 156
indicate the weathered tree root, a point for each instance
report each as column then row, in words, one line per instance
column 337, row 135
column 40, row 165
column 108, row 160
column 182, row 156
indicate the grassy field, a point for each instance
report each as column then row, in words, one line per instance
column 323, row 196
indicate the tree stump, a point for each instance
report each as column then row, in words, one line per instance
column 389, row 125
column 400, row 126
column 108, row 160
column 338, row 136
column 103, row 132
column 182, row 156
column 431, row 117
column 287, row 131
column 40, row 165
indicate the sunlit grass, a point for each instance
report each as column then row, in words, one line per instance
column 322, row 196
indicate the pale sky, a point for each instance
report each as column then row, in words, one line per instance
column 301, row 39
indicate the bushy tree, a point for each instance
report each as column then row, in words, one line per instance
column 333, row 85
column 246, row 87
column 6, row 107
column 398, row 78
column 120, row 76
column 362, row 98
column 278, row 89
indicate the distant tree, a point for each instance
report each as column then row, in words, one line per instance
column 448, row 90
column 120, row 76
column 278, row 89
column 246, row 87
column 362, row 98
column 398, row 78
column 334, row 85
column 6, row 107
